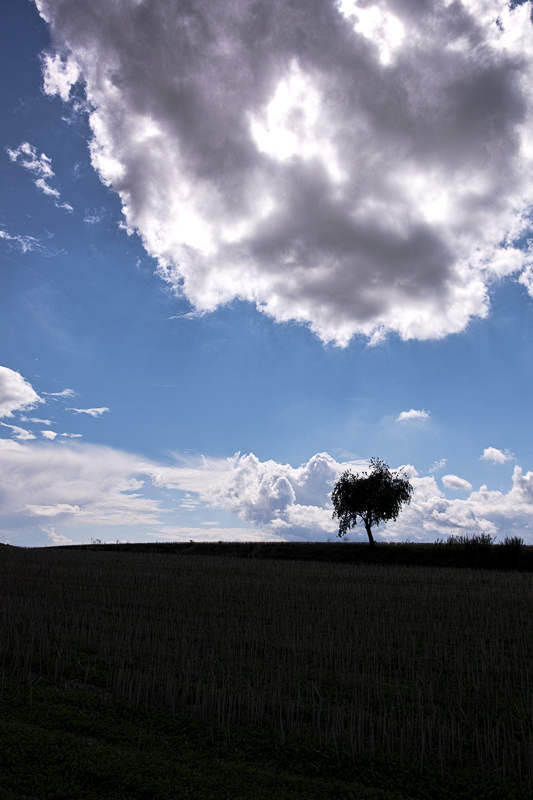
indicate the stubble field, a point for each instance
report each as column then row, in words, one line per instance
column 430, row 670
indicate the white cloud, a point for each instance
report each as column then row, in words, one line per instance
column 80, row 485
column 49, row 435
column 359, row 168
column 438, row 465
column 24, row 243
column 64, row 393
column 92, row 412
column 57, row 539
column 19, row 433
column 277, row 497
column 73, row 484
column 36, row 419
column 16, row 394
column 177, row 534
column 413, row 416
column 59, row 76
column 496, row 456
column 45, row 189
column 26, row 155
column 41, row 165
column 456, row 483
column 296, row 502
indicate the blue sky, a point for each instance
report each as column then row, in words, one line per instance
column 223, row 241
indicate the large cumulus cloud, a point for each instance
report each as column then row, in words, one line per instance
column 361, row 167
column 275, row 497
column 295, row 502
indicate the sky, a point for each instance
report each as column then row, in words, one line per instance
column 247, row 246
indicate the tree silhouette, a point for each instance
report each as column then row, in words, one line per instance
column 373, row 497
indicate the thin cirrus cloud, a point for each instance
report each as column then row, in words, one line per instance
column 92, row 412
column 496, row 456
column 64, row 393
column 26, row 155
column 413, row 416
column 361, row 169
column 24, row 243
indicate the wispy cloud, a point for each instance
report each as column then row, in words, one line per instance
column 92, row 412
column 73, row 484
column 24, row 243
column 497, row 456
column 413, row 416
column 40, row 165
column 185, row 534
column 438, row 465
column 64, row 393
column 19, row 433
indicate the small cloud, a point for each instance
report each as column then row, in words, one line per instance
column 41, row 166
column 19, row 433
column 64, row 393
column 189, row 502
column 24, row 243
column 92, row 219
column 456, row 483
column 59, row 76
column 57, row 539
column 39, row 421
column 16, row 394
column 92, row 412
column 51, row 510
column 438, row 465
column 45, row 189
column 49, row 435
column 412, row 416
column 26, row 156
column 497, row 456
column 72, row 435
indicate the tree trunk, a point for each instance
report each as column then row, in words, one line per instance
column 369, row 532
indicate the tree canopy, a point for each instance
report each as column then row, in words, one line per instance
column 374, row 497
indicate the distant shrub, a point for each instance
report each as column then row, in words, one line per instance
column 478, row 541
column 514, row 544
column 510, row 551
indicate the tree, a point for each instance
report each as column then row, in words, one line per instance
column 372, row 497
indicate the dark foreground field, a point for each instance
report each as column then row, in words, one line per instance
column 165, row 675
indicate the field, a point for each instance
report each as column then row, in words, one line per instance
column 304, row 678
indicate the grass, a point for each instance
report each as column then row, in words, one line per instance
column 148, row 675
